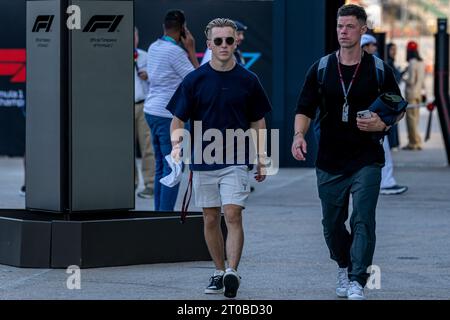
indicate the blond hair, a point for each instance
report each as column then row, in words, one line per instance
column 219, row 23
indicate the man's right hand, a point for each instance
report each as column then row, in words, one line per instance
column 188, row 41
column 299, row 147
column 176, row 152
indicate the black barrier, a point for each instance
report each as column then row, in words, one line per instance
column 12, row 77
column 441, row 85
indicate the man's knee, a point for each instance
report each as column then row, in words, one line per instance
column 211, row 217
column 233, row 214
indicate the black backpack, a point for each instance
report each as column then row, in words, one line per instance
column 323, row 65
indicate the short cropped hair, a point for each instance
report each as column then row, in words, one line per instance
column 353, row 10
column 174, row 20
column 219, row 23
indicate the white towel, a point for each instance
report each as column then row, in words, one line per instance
column 175, row 176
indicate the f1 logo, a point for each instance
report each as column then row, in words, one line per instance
column 110, row 22
column 43, row 22
column 12, row 64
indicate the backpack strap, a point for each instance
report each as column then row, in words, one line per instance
column 322, row 68
column 321, row 73
column 379, row 70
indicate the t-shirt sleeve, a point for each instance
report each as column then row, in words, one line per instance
column 309, row 98
column 181, row 103
column 259, row 102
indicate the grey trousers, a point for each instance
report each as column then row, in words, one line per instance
column 353, row 250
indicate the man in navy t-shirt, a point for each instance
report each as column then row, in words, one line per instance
column 224, row 103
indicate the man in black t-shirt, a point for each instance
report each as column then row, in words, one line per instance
column 222, row 100
column 349, row 159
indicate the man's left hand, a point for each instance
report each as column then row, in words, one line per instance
column 143, row 75
column 260, row 175
column 373, row 124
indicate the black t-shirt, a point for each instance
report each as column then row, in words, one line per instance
column 220, row 100
column 343, row 148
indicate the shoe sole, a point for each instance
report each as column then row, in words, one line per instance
column 145, row 197
column 341, row 295
column 390, row 193
column 210, row 291
column 354, row 297
column 231, row 283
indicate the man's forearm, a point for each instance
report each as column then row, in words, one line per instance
column 301, row 124
column 192, row 55
column 261, row 136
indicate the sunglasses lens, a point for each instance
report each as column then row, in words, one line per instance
column 219, row 41
column 229, row 40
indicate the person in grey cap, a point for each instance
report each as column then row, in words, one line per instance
column 369, row 43
column 240, row 37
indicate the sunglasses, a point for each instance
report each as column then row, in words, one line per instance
column 218, row 41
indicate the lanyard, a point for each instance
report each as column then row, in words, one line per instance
column 346, row 91
column 169, row 39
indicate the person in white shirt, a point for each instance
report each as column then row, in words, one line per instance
column 388, row 184
column 168, row 64
column 142, row 131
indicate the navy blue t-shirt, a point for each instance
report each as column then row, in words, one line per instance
column 220, row 100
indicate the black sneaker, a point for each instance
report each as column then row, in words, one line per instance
column 216, row 284
column 231, row 281
column 22, row 191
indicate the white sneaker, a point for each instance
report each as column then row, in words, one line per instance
column 393, row 190
column 342, row 283
column 355, row 291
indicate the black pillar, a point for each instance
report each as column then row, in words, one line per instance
column 303, row 32
column 441, row 82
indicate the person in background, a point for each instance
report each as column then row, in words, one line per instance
column 391, row 49
column 415, row 83
column 142, row 131
column 369, row 44
column 388, row 185
column 168, row 63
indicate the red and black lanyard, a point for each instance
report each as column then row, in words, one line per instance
column 346, row 91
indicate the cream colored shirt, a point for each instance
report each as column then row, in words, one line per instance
column 415, row 81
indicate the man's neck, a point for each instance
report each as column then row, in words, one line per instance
column 350, row 56
column 174, row 35
column 222, row 65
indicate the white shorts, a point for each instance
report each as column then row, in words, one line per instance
column 230, row 185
